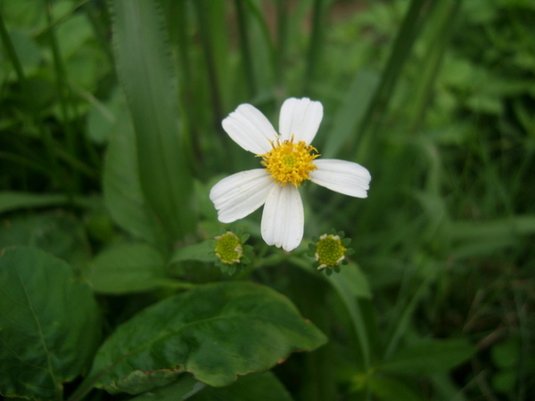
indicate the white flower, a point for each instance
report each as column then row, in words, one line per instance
column 288, row 160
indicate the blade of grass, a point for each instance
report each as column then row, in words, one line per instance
column 442, row 24
column 146, row 73
column 414, row 20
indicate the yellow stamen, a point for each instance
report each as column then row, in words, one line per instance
column 290, row 162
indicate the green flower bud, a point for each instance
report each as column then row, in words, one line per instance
column 228, row 248
column 330, row 251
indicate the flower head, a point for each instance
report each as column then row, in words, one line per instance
column 289, row 160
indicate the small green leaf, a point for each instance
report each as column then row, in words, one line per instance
column 49, row 324
column 216, row 332
column 127, row 268
column 431, row 356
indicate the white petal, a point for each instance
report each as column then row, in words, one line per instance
column 250, row 129
column 300, row 118
column 240, row 194
column 342, row 176
column 283, row 218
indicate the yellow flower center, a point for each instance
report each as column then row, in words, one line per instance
column 290, row 162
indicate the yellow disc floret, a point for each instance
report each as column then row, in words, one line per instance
column 290, row 162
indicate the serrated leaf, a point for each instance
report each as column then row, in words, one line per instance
column 430, row 356
column 127, row 268
column 49, row 324
column 216, row 332
column 146, row 73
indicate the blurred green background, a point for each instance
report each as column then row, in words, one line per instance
column 435, row 98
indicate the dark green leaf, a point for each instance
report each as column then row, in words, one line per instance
column 216, row 332
column 49, row 324
column 127, row 268
column 427, row 357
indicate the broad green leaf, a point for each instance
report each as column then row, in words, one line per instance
column 215, row 331
column 127, row 268
column 123, row 196
column 49, row 324
column 430, row 356
column 146, row 73
column 262, row 386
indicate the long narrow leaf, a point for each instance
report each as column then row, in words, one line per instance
column 146, row 73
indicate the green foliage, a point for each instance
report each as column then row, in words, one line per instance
column 127, row 268
column 145, row 70
column 216, row 332
column 49, row 324
column 111, row 139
